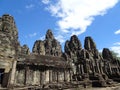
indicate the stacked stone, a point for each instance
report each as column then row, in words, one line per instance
column 9, row 29
column 9, row 36
column 86, row 63
column 94, row 62
column 8, row 47
column 111, row 65
column 39, row 47
column 25, row 50
column 95, row 59
column 72, row 52
column 50, row 46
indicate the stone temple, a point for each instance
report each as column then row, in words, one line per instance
column 48, row 67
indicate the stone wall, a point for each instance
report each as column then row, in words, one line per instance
column 90, row 63
column 8, row 46
column 40, row 75
column 86, row 64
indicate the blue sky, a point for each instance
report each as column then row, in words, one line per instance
column 99, row 19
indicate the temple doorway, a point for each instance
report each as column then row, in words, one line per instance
column 1, row 76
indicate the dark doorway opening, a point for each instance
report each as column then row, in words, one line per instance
column 1, row 75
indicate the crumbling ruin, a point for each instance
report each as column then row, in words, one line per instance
column 48, row 67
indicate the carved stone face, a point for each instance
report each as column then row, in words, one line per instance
column 41, row 49
column 49, row 35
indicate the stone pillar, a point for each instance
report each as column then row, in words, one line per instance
column 50, row 76
column 98, row 67
column 105, row 68
column 26, row 75
column 118, row 68
column 79, row 71
column 57, row 76
column 47, row 76
column 53, row 76
column 29, row 76
column 40, row 77
column 101, row 69
column 67, row 76
column 92, row 65
column 16, row 74
column 86, row 66
column 70, row 76
column 82, row 69
column 36, row 78
column 43, row 77
column 64, row 75
column 110, row 68
column 12, row 76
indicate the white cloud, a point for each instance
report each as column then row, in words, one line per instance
column 100, row 50
column 32, row 35
column 60, row 38
column 29, row 6
column 46, row 1
column 42, row 37
column 116, row 48
column 74, row 16
column 117, row 43
column 117, row 32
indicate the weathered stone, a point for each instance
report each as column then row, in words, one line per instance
column 8, row 47
column 73, row 47
column 85, row 62
column 89, row 44
column 111, row 65
column 39, row 47
column 49, row 35
column 72, row 52
column 25, row 50
column 48, row 67
column 8, row 40
column 50, row 46
column 107, row 54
